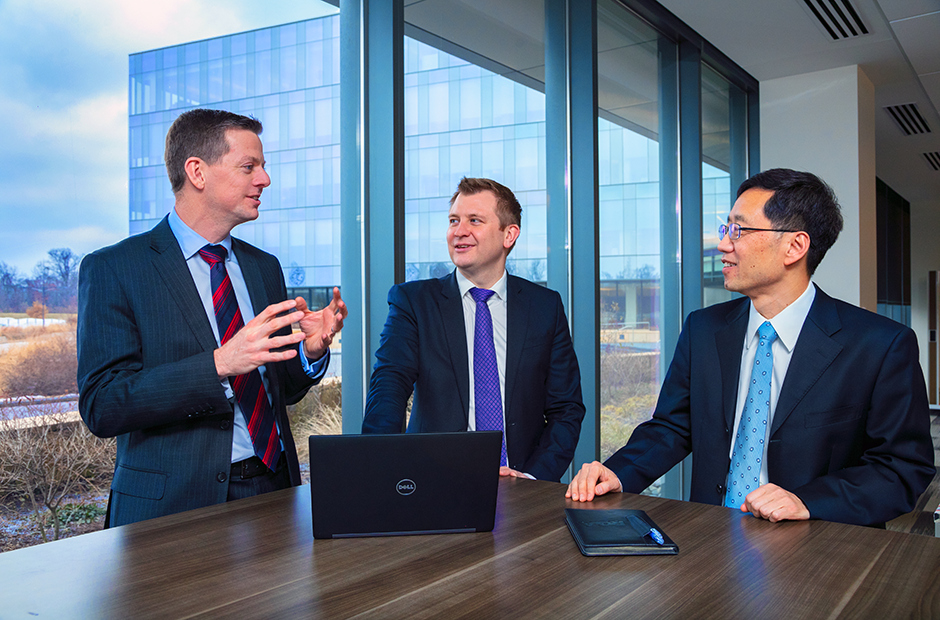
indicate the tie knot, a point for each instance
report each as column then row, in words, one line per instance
column 766, row 332
column 481, row 294
column 213, row 254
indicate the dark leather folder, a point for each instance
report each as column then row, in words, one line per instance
column 610, row 532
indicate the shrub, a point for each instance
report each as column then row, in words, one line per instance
column 48, row 456
column 319, row 413
column 46, row 367
column 37, row 311
column 30, row 332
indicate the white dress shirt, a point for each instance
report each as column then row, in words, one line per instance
column 788, row 324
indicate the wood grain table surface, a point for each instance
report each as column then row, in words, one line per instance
column 257, row 558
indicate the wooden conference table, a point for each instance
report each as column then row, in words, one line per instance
column 256, row 558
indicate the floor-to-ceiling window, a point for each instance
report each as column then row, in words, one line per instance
column 479, row 81
column 629, row 118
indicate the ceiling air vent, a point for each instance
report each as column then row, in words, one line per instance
column 908, row 118
column 838, row 18
column 933, row 159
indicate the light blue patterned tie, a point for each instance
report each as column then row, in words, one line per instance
column 487, row 402
column 744, row 475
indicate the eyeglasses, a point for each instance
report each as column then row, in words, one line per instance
column 734, row 231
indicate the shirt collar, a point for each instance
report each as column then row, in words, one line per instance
column 190, row 241
column 465, row 285
column 788, row 323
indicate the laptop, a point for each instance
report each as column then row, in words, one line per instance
column 411, row 483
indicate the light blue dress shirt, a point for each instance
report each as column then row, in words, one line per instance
column 191, row 242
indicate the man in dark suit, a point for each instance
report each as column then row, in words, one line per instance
column 847, row 435
column 434, row 344
column 185, row 347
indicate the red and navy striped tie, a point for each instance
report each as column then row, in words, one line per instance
column 249, row 389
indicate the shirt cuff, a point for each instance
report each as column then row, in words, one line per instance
column 315, row 370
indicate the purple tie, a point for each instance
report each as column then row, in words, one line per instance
column 488, row 404
column 249, row 389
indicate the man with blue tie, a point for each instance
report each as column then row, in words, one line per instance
column 479, row 348
column 794, row 405
column 185, row 347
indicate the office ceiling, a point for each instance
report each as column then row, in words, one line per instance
column 900, row 54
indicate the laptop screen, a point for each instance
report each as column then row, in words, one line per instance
column 412, row 483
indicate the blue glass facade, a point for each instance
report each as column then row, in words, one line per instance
column 287, row 77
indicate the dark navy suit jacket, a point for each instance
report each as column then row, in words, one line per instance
column 850, row 434
column 146, row 374
column 424, row 349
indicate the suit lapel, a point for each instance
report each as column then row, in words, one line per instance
column 169, row 263
column 517, row 312
column 729, row 339
column 451, row 309
column 814, row 352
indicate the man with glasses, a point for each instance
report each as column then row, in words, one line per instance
column 794, row 405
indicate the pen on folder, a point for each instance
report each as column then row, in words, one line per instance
column 645, row 529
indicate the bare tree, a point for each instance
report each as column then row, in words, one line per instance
column 48, row 456
column 63, row 267
column 12, row 289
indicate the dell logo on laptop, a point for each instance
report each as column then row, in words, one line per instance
column 405, row 487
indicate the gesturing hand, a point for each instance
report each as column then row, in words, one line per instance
column 253, row 345
column 321, row 326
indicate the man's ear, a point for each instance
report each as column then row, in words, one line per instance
column 196, row 172
column 797, row 248
column 510, row 235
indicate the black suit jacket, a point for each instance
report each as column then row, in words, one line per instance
column 424, row 349
column 146, row 374
column 850, row 433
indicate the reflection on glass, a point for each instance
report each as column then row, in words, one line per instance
column 716, row 179
column 474, row 106
column 628, row 153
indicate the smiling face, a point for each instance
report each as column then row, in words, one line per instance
column 478, row 246
column 233, row 185
column 755, row 264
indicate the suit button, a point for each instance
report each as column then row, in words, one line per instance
column 225, row 424
column 211, row 409
column 720, row 488
column 221, row 477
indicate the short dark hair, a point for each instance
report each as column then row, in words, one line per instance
column 800, row 201
column 508, row 208
column 201, row 133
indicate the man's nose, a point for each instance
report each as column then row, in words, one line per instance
column 724, row 244
column 263, row 179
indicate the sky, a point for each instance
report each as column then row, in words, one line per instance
column 64, row 71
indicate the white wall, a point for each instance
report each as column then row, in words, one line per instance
column 824, row 123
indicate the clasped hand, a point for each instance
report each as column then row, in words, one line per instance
column 255, row 344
